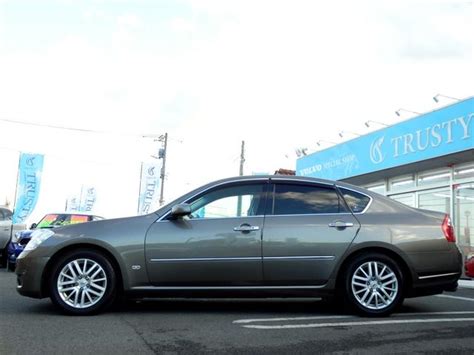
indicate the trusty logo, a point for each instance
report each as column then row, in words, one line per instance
column 376, row 154
column 30, row 161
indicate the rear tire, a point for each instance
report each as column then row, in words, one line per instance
column 83, row 282
column 373, row 285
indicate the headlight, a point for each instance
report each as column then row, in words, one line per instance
column 38, row 237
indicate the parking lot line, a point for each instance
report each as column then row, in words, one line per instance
column 353, row 324
column 243, row 321
column 457, row 298
column 288, row 319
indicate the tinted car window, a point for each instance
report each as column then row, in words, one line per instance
column 5, row 215
column 305, row 199
column 357, row 202
column 232, row 201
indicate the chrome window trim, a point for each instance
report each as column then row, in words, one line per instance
column 302, row 180
column 439, row 275
column 270, row 179
column 366, row 207
column 309, row 214
column 220, row 218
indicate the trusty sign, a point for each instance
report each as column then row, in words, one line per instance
column 445, row 131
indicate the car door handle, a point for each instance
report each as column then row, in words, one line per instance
column 340, row 224
column 246, row 228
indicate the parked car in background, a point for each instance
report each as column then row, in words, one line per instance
column 258, row 235
column 7, row 229
column 21, row 238
column 469, row 265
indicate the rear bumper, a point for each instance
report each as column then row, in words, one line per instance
column 29, row 272
column 435, row 284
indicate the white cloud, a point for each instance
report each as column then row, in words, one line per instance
column 275, row 74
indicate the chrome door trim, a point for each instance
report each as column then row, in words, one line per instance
column 244, row 258
column 247, row 258
column 439, row 275
column 191, row 288
column 309, row 257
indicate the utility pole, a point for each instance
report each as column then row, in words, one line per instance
column 162, row 155
column 242, row 159
column 241, row 172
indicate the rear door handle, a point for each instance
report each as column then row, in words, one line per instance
column 341, row 224
column 246, row 228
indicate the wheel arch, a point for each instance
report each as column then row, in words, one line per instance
column 80, row 246
column 397, row 257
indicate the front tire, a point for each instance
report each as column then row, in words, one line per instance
column 83, row 282
column 10, row 266
column 373, row 285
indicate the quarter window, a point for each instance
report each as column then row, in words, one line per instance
column 356, row 201
column 305, row 199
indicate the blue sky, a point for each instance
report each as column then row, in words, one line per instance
column 280, row 75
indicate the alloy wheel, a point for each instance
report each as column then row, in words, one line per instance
column 374, row 285
column 82, row 283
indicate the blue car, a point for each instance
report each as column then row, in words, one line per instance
column 52, row 220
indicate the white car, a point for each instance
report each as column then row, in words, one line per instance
column 6, row 231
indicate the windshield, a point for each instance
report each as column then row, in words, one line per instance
column 54, row 220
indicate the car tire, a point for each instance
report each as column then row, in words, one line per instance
column 10, row 266
column 83, row 282
column 373, row 285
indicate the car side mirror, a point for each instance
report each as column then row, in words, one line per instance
column 180, row 210
column 33, row 226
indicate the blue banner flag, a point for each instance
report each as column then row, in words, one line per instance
column 28, row 186
column 149, row 186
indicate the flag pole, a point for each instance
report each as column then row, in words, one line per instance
column 16, row 193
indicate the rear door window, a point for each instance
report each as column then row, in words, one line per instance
column 292, row 199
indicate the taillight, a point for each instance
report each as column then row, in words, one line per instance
column 448, row 229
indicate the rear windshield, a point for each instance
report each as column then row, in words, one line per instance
column 356, row 201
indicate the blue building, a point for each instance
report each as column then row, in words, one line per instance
column 425, row 162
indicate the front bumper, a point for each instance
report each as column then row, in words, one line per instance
column 29, row 272
column 13, row 251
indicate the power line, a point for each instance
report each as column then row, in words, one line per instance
column 75, row 129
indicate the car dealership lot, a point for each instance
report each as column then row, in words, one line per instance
column 234, row 326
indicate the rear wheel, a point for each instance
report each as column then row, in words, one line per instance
column 373, row 285
column 83, row 282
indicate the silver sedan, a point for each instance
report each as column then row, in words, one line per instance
column 260, row 235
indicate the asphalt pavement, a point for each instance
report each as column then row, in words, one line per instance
column 435, row 324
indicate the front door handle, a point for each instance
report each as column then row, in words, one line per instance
column 246, row 228
column 341, row 224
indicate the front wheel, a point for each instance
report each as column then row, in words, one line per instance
column 374, row 285
column 83, row 282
